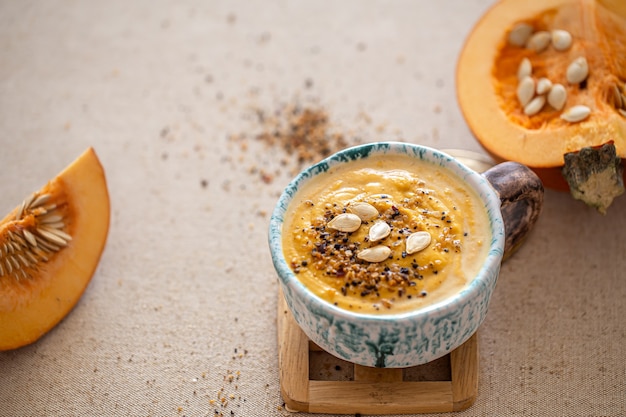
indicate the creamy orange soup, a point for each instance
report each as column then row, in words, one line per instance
column 386, row 234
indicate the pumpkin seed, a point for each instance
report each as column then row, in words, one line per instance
column 543, row 85
column 54, row 231
column 26, row 247
column 29, row 237
column 375, row 254
column 525, row 90
column 619, row 98
column 520, row 33
column 12, row 260
column 539, row 41
column 345, row 222
column 22, row 260
column 557, row 96
column 525, row 69
column 378, row 231
column 576, row 113
column 535, row 106
column 29, row 200
column 577, row 71
column 561, row 39
column 616, row 97
column 417, row 241
column 51, row 237
column 51, row 218
column 41, row 199
column 365, row 211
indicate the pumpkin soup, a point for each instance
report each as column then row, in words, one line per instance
column 386, row 234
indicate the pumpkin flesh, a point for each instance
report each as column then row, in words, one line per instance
column 487, row 82
column 34, row 298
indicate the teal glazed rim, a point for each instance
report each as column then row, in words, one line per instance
column 391, row 340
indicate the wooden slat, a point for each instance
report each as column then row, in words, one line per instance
column 373, row 390
column 464, row 368
column 380, row 397
column 293, row 360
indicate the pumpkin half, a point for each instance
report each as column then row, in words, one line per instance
column 50, row 246
column 577, row 47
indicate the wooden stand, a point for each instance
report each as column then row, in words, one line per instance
column 314, row 381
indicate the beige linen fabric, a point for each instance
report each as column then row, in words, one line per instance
column 181, row 312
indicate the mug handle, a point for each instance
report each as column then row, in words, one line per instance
column 521, row 195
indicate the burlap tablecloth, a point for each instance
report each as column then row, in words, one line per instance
column 180, row 317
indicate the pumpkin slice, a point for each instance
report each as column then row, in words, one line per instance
column 50, row 246
column 550, row 42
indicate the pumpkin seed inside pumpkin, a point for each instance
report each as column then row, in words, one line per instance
column 576, row 113
column 525, row 69
column 616, row 97
column 535, row 106
column 539, row 41
column 520, row 34
column 526, row 90
column 577, row 71
column 561, row 39
column 557, row 96
column 544, row 86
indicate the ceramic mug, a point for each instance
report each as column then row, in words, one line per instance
column 512, row 197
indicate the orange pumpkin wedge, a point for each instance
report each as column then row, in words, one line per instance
column 497, row 107
column 50, row 246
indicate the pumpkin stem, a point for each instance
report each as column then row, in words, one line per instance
column 595, row 175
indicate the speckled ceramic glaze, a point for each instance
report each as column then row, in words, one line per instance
column 401, row 340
